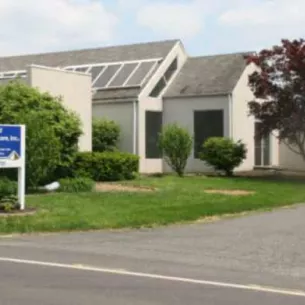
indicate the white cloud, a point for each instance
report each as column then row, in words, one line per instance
column 174, row 19
column 36, row 25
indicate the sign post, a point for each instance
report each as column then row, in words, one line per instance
column 12, row 155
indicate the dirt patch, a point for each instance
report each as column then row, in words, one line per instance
column 114, row 187
column 230, row 192
column 27, row 212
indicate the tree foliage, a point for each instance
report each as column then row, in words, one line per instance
column 105, row 135
column 279, row 90
column 176, row 145
column 223, row 154
column 19, row 102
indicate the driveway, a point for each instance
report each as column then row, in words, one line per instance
column 248, row 260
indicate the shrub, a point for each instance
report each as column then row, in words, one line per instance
column 105, row 135
column 176, row 145
column 18, row 102
column 223, row 154
column 7, row 187
column 106, row 166
column 8, row 199
column 76, row 185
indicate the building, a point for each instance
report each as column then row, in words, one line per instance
column 145, row 86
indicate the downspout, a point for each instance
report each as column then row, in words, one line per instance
column 135, row 127
column 231, row 133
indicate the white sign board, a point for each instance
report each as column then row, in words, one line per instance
column 12, row 154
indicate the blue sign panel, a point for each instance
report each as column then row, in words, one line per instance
column 10, row 142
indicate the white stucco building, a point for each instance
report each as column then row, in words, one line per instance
column 146, row 86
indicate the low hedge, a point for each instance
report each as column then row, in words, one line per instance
column 106, row 166
column 7, row 187
column 76, row 185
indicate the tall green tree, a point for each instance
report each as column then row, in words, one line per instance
column 19, row 102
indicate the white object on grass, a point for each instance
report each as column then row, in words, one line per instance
column 54, row 186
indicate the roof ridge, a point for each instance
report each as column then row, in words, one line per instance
column 92, row 49
column 221, row 54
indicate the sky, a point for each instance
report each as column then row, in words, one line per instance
column 204, row 26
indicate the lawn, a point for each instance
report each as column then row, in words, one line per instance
column 175, row 200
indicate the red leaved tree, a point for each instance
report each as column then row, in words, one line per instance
column 279, row 89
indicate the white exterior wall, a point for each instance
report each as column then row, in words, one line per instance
column 181, row 111
column 290, row 160
column 147, row 103
column 243, row 125
column 75, row 91
column 121, row 113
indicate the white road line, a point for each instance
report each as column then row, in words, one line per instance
column 257, row 288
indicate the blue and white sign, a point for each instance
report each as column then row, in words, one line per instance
column 10, row 142
column 12, row 154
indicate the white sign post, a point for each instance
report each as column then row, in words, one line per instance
column 12, row 155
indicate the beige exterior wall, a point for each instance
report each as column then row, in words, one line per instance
column 242, row 125
column 181, row 111
column 75, row 90
column 147, row 103
column 123, row 114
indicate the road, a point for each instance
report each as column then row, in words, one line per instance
column 251, row 260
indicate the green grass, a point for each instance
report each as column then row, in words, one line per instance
column 176, row 200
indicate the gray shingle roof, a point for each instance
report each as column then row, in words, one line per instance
column 87, row 56
column 208, row 75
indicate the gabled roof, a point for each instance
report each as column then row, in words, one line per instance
column 97, row 55
column 208, row 75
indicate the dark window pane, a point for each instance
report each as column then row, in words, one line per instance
column 106, row 76
column 152, row 131
column 120, row 79
column 95, row 71
column 266, row 151
column 82, row 69
column 140, row 74
column 207, row 124
column 158, row 88
column 171, row 70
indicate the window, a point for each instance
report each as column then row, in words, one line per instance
column 152, row 131
column 207, row 124
column 171, row 70
column 162, row 83
column 262, row 148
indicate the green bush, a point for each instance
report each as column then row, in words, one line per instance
column 223, row 154
column 105, row 135
column 106, row 166
column 176, row 145
column 7, row 187
column 18, row 102
column 76, row 185
column 8, row 199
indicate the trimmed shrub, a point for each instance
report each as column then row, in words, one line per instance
column 76, row 185
column 8, row 198
column 106, row 166
column 7, row 187
column 176, row 145
column 223, row 154
column 105, row 135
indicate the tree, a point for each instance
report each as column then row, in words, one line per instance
column 176, row 145
column 279, row 89
column 18, row 101
column 105, row 135
column 223, row 154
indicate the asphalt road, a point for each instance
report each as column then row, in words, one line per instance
column 251, row 260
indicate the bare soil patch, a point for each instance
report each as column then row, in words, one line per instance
column 114, row 187
column 230, row 192
column 18, row 213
